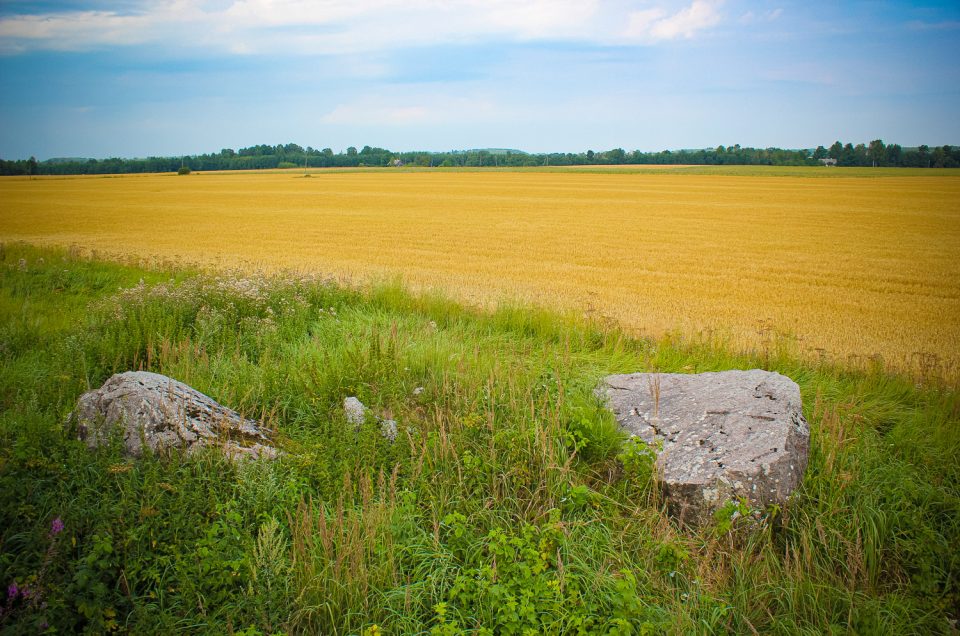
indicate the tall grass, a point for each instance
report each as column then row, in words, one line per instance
column 508, row 504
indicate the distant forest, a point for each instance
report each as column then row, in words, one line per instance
column 876, row 153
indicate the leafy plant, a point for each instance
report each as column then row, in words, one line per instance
column 639, row 463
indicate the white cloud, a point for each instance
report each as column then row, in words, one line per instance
column 348, row 26
column 79, row 30
column 658, row 24
column 63, row 31
column 769, row 16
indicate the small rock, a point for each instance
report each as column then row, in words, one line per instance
column 388, row 428
column 161, row 413
column 724, row 436
column 355, row 411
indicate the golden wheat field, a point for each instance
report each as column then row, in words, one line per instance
column 853, row 267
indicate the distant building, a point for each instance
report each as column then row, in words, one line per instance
column 829, row 161
column 397, row 163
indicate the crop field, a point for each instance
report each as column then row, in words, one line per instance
column 844, row 268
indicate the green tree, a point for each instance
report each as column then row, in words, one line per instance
column 876, row 153
column 894, row 155
column 860, row 155
column 940, row 156
column 848, row 157
column 616, row 156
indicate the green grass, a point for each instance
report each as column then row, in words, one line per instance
column 508, row 505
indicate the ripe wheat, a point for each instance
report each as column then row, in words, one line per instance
column 850, row 266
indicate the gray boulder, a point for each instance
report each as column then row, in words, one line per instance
column 719, row 436
column 354, row 410
column 161, row 413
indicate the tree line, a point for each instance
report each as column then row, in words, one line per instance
column 878, row 154
column 291, row 155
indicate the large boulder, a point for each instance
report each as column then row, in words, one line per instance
column 719, row 436
column 160, row 413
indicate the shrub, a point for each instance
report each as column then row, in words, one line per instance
column 183, row 170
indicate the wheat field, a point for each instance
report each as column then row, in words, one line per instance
column 853, row 268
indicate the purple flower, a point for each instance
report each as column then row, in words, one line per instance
column 12, row 591
column 56, row 527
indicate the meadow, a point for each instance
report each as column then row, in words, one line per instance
column 857, row 266
column 510, row 503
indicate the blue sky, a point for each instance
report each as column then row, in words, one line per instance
column 136, row 78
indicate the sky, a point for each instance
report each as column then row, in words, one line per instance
column 136, row 78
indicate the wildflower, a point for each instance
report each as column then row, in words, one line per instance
column 13, row 591
column 56, row 527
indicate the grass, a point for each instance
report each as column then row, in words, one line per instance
column 852, row 268
column 508, row 505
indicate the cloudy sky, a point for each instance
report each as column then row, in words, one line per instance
column 141, row 77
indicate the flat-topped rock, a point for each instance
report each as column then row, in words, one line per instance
column 719, row 436
column 160, row 413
